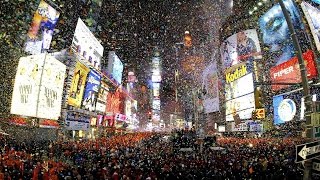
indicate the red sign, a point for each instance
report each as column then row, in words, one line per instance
column 289, row 71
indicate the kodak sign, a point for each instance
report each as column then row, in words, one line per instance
column 237, row 73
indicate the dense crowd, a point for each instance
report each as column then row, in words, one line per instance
column 148, row 156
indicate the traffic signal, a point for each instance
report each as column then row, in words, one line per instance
column 258, row 99
column 149, row 116
column 254, row 114
column 187, row 39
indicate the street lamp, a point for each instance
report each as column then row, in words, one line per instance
column 305, row 85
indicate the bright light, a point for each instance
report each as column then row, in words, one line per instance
column 250, row 12
column 186, row 32
column 255, row 8
column 250, row 145
column 259, row 3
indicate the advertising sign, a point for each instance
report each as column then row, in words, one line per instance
column 156, row 90
column 51, row 90
column 243, row 106
column 91, row 91
column 77, row 85
column 312, row 15
column 289, row 71
column 241, row 47
column 102, row 97
column 26, row 85
column 113, row 102
column 44, row 19
column 115, row 66
column 77, row 121
column 275, row 32
column 239, row 87
column 86, row 45
column 240, row 127
column 284, row 109
column 210, row 83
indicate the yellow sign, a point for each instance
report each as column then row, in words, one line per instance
column 238, row 73
column 260, row 113
column 77, row 85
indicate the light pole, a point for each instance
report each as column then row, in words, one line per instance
column 305, row 85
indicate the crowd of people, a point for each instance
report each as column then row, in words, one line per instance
column 148, row 156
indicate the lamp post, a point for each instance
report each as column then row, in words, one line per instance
column 305, row 85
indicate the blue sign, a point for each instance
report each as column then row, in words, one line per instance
column 91, row 91
column 276, row 34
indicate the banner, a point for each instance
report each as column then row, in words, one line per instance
column 210, row 84
column 86, row 45
column 102, row 97
column 276, row 35
column 91, row 91
column 26, row 86
column 52, row 82
column 77, row 85
column 241, row 47
column 113, row 102
column 44, row 19
column 77, row 121
column 289, row 72
column 313, row 15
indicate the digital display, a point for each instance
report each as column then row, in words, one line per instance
column 243, row 106
column 240, row 87
column 313, row 17
column 284, row 109
column 275, row 32
column 240, row 47
column 115, row 66
column 44, row 20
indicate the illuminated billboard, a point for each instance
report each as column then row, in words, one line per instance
column 26, row 85
column 102, row 97
column 77, row 85
column 313, row 15
column 86, row 45
column 239, row 87
column 156, row 90
column 243, row 106
column 77, row 121
column 44, row 20
column 240, row 47
column 38, row 87
column 113, row 102
column 289, row 71
column 210, row 83
column 284, row 109
column 51, row 89
column 91, row 91
column 275, row 32
column 115, row 66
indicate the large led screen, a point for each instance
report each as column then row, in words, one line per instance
column 276, row 34
column 239, row 87
column 91, row 91
column 77, row 121
column 52, row 82
column 313, row 17
column 86, row 45
column 210, row 83
column 26, row 85
column 113, row 102
column 44, row 19
column 240, row 47
column 115, row 66
column 77, row 85
column 243, row 106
